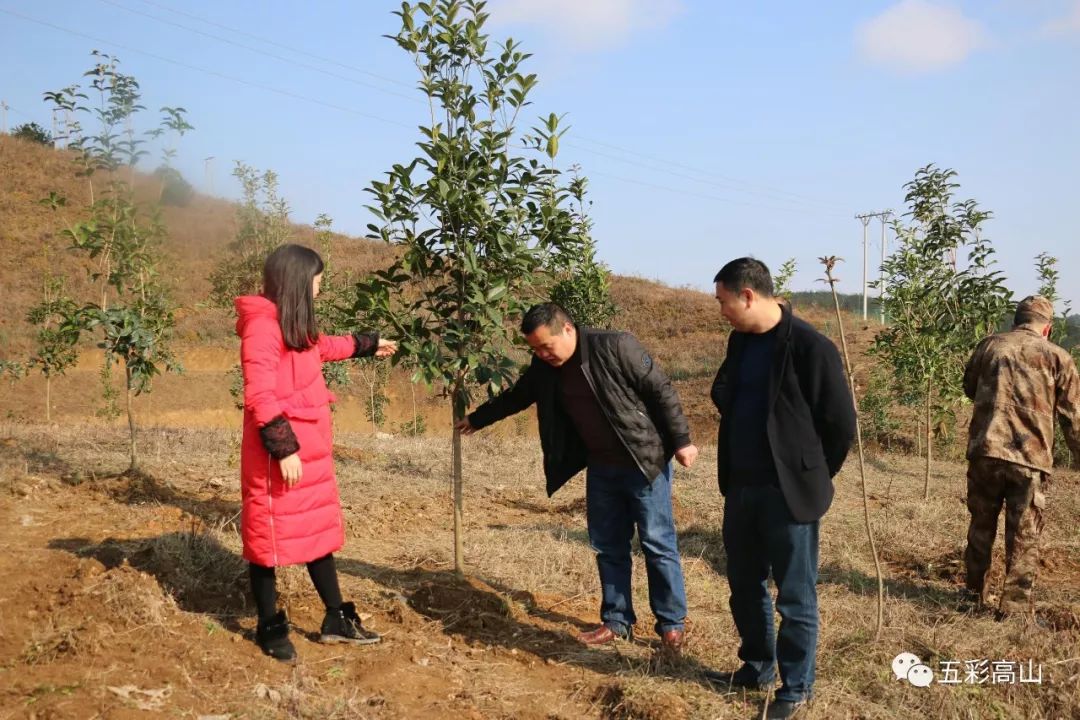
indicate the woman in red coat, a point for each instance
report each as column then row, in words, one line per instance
column 291, row 510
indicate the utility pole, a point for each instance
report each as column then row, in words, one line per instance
column 209, row 175
column 3, row 116
column 881, row 269
column 865, row 218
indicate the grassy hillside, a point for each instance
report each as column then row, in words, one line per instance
column 30, row 242
column 681, row 327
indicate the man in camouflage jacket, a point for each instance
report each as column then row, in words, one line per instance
column 1017, row 380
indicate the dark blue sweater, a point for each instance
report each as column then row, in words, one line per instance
column 751, row 457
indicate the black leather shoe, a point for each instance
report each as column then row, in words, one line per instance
column 342, row 625
column 273, row 637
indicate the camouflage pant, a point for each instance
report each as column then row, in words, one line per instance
column 990, row 482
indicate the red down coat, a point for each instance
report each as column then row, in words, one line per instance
column 281, row 525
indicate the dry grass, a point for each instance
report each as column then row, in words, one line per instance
column 507, row 631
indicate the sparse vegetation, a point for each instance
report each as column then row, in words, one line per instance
column 57, row 335
column 120, row 240
column 263, row 224
column 782, row 280
column 32, row 132
column 175, row 190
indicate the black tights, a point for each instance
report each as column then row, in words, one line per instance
column 323, row 574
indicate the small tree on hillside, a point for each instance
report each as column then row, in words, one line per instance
column 120, row 237
column 335, row 296
column 477, row 219
column 57, row 335
column 175, row 189
column 262, row 225
column 939, row 309
column 1046, row 268
column 581, row 283
column 782, row 279
column 33, row 132
column 12, row 371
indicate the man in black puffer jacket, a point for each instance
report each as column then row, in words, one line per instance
column 604, row 406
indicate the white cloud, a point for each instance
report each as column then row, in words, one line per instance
column 919, row 36
column 1067, row 24
column 587, row 25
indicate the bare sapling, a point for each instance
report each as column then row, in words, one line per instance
column 829, row 263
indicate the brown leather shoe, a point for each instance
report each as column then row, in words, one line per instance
column 600, row 636
column 673, row 641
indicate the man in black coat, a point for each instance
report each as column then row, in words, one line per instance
column 605, row 407
column 787, row 420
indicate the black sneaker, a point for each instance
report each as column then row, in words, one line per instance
column 744, row 678
column 273, row 637
column 343, row 626
column 784, row 709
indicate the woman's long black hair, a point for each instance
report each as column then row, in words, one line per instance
column 287, row 279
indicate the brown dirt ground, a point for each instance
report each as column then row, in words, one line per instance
column 125, row 596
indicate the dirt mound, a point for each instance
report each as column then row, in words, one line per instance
column 624, row 702
column 465, row 605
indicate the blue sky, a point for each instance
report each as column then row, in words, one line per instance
column 708, row 129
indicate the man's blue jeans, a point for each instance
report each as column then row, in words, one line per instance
column 759, row 534
column 618, row 499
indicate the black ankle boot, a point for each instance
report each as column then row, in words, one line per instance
column 273, row 637
column 342, row 625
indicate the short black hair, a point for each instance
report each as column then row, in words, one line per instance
column 746, row 272
column 550, row 314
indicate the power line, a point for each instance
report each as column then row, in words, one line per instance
column 704, row 182
column 705, row 196
column 707, row 173
column 278, row 44
column 718, row 180
column 334, row 106
column 17, row 111
column 215, row 73
column 275, row 56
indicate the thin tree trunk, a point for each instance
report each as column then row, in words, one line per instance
column 459, row 553
column 371, row 407
column 862, row 463
column 929, row 440
column 412, row 392
column 48, row 399
column 131, row 417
